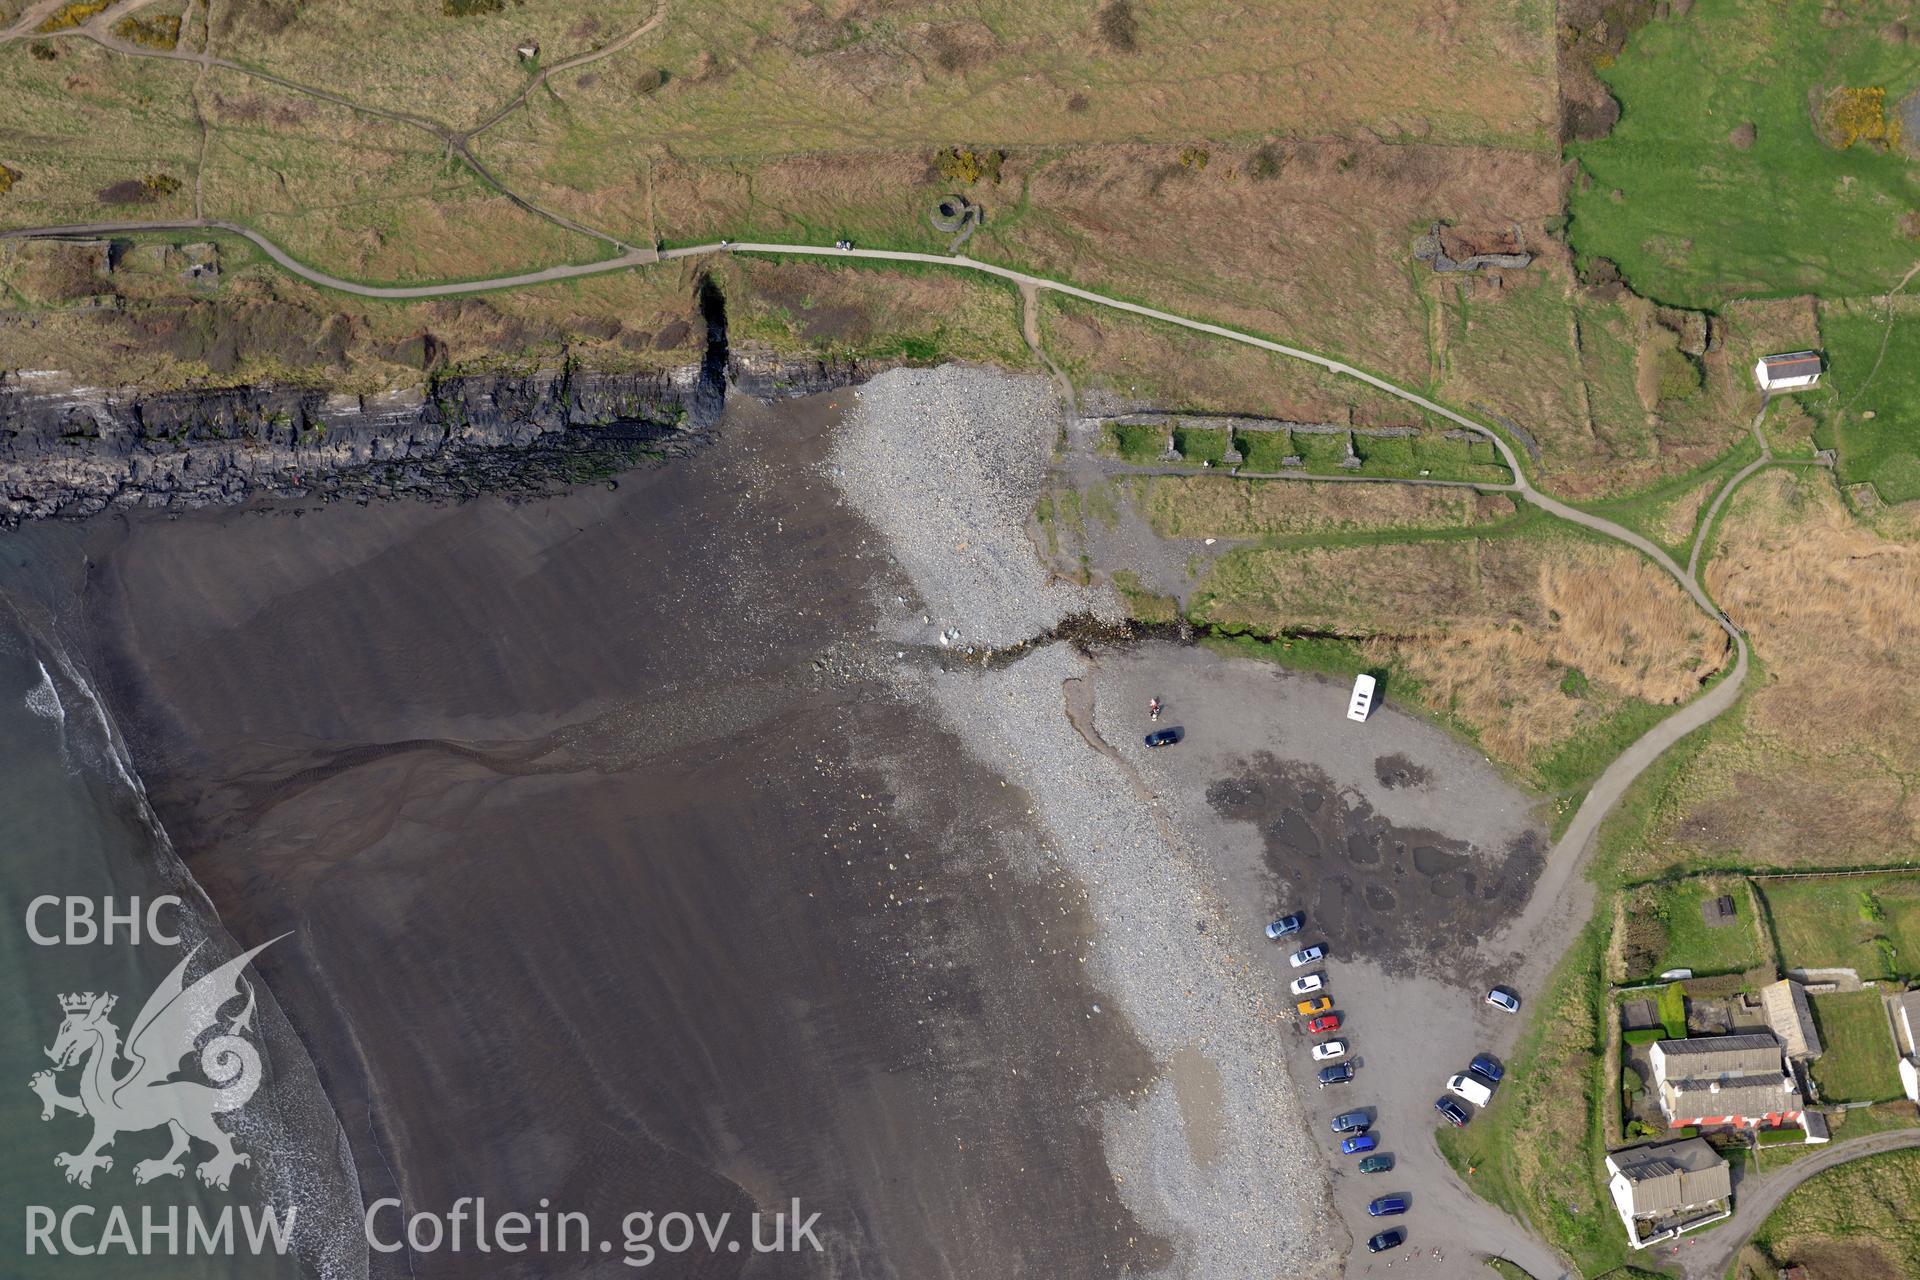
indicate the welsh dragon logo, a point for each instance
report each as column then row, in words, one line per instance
column 145, row 1095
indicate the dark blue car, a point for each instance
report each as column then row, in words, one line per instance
column 1387, row 1206
column 1489, row 1066
column 1455, row 1113
column 1340, row 1073
column 1163, row 737
column 1352, row 1122
column 1386, row 1240
column 1285, row 925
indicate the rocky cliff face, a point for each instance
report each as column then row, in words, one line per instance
column 74, row 451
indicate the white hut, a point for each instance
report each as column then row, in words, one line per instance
column 1788, row 372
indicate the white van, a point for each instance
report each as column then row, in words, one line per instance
column 1466, row 1086
column 1362, row 701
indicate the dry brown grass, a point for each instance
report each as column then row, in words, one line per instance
column 1834, row 609
column 157, row 337
column 1824, row 773
column 1488, row 627
column 90, row 120
column 1319, row 253
column 1120, row 360
column 1210, row 506
column 804, row 306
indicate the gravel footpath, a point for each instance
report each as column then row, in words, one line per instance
column 947, row 464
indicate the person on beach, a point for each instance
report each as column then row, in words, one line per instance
column 1153, row 709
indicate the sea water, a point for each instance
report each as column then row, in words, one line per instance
column 79, row 844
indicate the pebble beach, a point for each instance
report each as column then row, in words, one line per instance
column 947, row 465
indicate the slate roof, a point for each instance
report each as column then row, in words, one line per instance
column 1674, row 1175
column 1713, row 1057
column 1796, row 364
column 1748, row 1096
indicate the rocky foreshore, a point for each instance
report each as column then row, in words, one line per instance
column 70, row 451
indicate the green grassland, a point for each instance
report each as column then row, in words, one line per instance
column 1864, row 1205
column 1868, row 923
column 1698, row 220
column 1858, row 1065
column 1690, row 944
column 1875, row 360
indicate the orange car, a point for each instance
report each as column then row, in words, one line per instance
column 1308, row 1008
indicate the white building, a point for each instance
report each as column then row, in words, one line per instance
column 1789, row 372
column 1905, row 1008
column 1670, row 1187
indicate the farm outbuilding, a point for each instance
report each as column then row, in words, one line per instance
column 1789, row 372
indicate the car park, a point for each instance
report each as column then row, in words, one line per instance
column 1473, row 1090
column 1380, row 1163
column 1339, row 1073
column 1489, row 1066
column 1285, row 925
column 1308, row 1008
column 1163, row 737
column 1456, row 1114
column 1387, row 1207
column 1306, row 956
column 1352, row 1122
column 1386, row 1240
column 1358, row 1143
column 1320, row 1026
column 1501, row 998
column 1307, row 982
column 1328, row 1050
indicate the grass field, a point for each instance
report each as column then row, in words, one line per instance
column 1875, row 362
column 1693, row 218
column 1854, row 1222
column 1813, row 770
column 1868, row 923
column 1689, row 943
column 1858, row 1065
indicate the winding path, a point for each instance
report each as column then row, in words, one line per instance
column 1711, row 1252
column 1547, row 923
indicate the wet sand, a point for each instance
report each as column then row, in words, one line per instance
column 618, row 873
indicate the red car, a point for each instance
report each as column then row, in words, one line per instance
column 1330, row 1022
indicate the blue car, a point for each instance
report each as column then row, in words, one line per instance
column 1489, row 1066
column 1358, row 1143
column 1285, row 925
column 1387, row 1206
column 1352, row 1122
column 1163, row 737
column 1339, row 1073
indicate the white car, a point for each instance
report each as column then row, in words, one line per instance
column 1465, row 1086
column 1310, row 982
column 1501, row 998
column 1307, row 956
column 1329, row 1049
